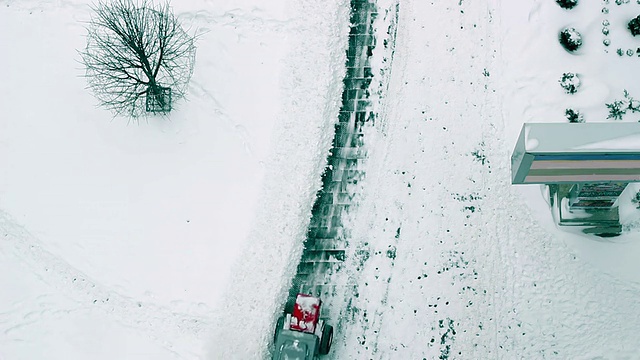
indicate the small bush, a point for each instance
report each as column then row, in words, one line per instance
column 634, row 26
column 570, row 82
column 567, row 4
column 632, row 104
column 570, row 39
column 573, row 116
column 619, row 108
column 616, row 110
column 636, row 200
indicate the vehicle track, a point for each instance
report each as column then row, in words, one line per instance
column 438, row 295
column 321, row 271
column 175, row 331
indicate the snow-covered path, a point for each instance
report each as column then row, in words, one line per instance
column 458, row 268
column 311, row 94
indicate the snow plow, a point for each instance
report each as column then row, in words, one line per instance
column 301, row 334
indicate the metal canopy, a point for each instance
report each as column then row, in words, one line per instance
column 556, row 153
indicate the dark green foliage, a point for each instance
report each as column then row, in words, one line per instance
column 570, row 82
column 573, row 116
column 567, row 4
column 616, row 110
column 391, row 252
column 634, row 26
column 570, row 39
column 632, row 104
column 636, row 200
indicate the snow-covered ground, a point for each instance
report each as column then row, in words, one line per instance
column 177, row 239
column 533, row 63
column 119, row 237
column 463, row 265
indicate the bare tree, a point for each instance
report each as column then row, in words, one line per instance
column 138, row 58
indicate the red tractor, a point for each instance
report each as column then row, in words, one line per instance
column 302, row 335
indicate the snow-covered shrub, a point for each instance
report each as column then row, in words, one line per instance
column 574, row 116
column 616, row 110
column 567, row 4
column 634, row 26
column 632, row 104
column 636, row 200
column 570, row 82
column 570, row 39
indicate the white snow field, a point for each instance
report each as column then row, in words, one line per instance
column 177, row 238
column 119, row 237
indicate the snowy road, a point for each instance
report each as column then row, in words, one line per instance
column 320, row 270
column 458, row 267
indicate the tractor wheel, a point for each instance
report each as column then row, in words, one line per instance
column 326, row 340
column 279, row 327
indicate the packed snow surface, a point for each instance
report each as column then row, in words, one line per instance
column 631, row 142
column 463, row 265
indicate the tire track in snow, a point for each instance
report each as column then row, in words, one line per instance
column 244, row 24
column 17, row 319
column 35, row 5
column 358, row 319
column 321, row 271
column 253, row 21
column 201, row 19
column 170, row 329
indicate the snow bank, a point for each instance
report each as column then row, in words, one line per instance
column 311, row 97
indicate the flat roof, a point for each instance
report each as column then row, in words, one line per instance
column 577, row 153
